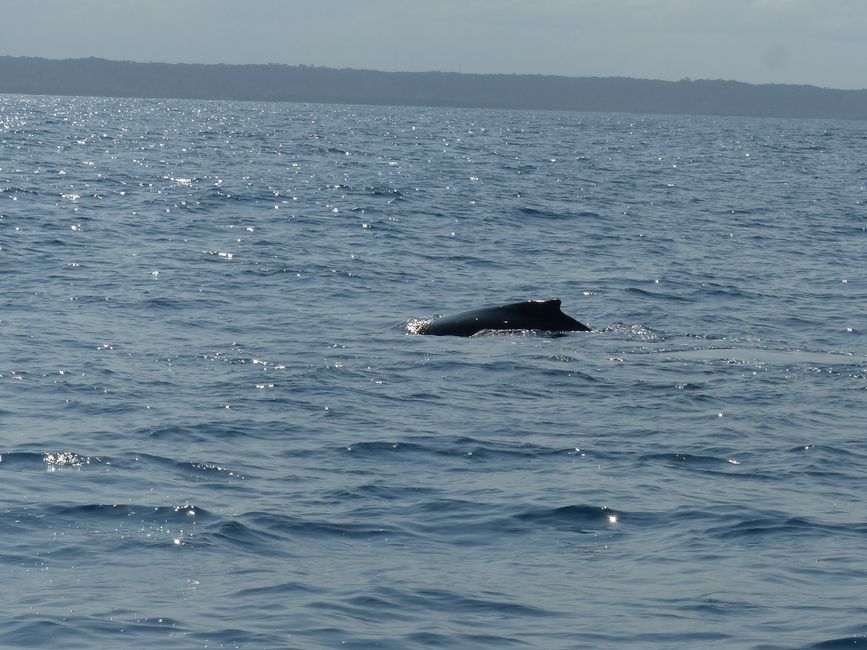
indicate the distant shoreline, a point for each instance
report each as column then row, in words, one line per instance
column 298, row 83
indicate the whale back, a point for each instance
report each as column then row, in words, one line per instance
column 542, row 315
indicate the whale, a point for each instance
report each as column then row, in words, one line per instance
column 541, row 315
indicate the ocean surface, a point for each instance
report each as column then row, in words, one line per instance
column 218, row 431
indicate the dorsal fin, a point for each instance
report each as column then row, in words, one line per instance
column 552, row 305
column 546, row 307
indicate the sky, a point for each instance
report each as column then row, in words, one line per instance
column 817, row 42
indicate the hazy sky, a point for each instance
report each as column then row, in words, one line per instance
column 820, row 42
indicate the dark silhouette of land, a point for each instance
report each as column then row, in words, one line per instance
column 285, row 83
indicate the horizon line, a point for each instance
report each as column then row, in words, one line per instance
column 446, row 72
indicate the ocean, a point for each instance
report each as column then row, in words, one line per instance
column 217, row 429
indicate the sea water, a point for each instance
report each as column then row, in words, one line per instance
column 217, row 430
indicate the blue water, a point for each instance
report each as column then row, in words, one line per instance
column 217, row 431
